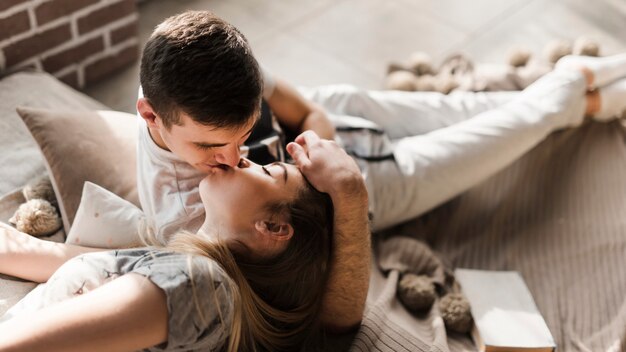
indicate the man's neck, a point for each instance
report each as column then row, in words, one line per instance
column 156, row 138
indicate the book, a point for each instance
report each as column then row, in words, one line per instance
column 505, row 315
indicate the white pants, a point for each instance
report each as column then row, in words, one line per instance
column 441, row 145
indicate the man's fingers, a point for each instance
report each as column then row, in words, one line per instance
column 307, row 138
column 299, row 139
column 299, row 155
column 310, row 137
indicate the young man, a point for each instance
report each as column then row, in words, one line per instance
column 204, row 104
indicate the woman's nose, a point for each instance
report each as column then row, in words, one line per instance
column 250, row 165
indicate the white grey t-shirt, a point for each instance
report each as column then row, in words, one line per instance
column 168, row 187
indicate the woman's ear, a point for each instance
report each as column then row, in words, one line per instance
column 279, row 231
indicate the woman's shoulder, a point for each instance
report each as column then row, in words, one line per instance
column 168, row 262
column 200, row 296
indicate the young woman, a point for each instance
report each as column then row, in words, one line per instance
column 196, row 294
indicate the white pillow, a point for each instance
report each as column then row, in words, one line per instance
column 104, row 220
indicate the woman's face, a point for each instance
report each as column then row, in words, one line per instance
column 236, row 201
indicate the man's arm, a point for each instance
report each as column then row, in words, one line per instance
column 331, row 170
column 126, row 314
column 297, row 113
column 30, row 258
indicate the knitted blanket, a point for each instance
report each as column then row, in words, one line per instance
column 558, row 216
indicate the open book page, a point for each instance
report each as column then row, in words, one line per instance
column 503, row 309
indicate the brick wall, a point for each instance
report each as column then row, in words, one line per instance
column 78, row 41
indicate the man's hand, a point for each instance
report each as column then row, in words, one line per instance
column 326, row 166
column 329, row 169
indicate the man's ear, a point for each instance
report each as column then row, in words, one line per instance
column 147, row 112
column 279, row 231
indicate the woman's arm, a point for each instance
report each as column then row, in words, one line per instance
column 126, row 314
column 30, row 258
column 298, row 114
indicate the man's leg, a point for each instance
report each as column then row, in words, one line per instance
column 432, row 168
column 602, row 70
column 403, row 114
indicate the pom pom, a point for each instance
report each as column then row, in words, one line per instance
column 416, row 292
column 445, row 84
column 421, row 63
column 455, row 311
column 37, row 217
column 401, row 80
column 519, row 57
column 394, row 66
column 556, row 50
column 586, row 47
column 426, row 83
column 40, row 188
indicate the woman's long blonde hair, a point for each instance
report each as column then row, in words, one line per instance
column 277, row 302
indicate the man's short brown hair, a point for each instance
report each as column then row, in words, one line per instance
column 199, row 64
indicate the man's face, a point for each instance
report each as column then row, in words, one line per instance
column 205, row 147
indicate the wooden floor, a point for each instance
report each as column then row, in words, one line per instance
column 313, row 42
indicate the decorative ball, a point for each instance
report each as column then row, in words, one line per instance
column 445, row 83
column 426, row 83
column 421, row 63
column 37, row 217
column 556, row 50
column 417, row 292
column 519, row 57
column 394, row 66
column 455, row 311
column 39, row 188
column 401, row 80
column 586, row 47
